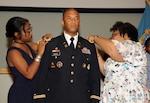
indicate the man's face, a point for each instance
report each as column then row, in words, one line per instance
column 71, row 22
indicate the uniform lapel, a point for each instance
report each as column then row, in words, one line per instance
column 64, row 45
column 78, row 46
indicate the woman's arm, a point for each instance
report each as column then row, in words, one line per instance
column 100, row 62
column 46, row 38
column 107, row 46
column 15, row 59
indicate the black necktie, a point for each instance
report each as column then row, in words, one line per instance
column 71, row 44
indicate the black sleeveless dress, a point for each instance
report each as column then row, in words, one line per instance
column 21, row 90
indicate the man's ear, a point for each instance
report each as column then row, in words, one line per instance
column 62, row 23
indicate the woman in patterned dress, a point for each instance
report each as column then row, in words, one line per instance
column 126, row 68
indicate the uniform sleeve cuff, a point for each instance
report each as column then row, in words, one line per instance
column 38, row 96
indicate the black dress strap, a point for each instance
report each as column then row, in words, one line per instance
column 23, row 52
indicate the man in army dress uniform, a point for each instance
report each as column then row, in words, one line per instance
column 68, row 75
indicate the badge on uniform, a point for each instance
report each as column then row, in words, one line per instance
column 83, row 65
column 65, row 44
column 56, row 52
column 85, row 50
column 53, row 65
column 79, row 45
column 59, row 64
column 86, row 66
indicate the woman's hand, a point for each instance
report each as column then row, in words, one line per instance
column 41, row 47
column 42, row 42
column 91, row 38
column 47, row 37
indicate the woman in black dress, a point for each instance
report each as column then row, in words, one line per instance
column 22, row 59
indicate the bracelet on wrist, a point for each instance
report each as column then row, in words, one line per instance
column 38, row 58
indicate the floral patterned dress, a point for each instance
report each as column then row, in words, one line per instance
column 125, row 82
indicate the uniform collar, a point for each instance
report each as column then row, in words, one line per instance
column 67, row 37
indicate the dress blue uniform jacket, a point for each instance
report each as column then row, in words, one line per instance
column 66, row 75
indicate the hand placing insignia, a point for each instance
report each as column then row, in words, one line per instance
column 91, row 38
column 46, row 38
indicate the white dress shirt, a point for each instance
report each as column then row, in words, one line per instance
column 67, row 37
